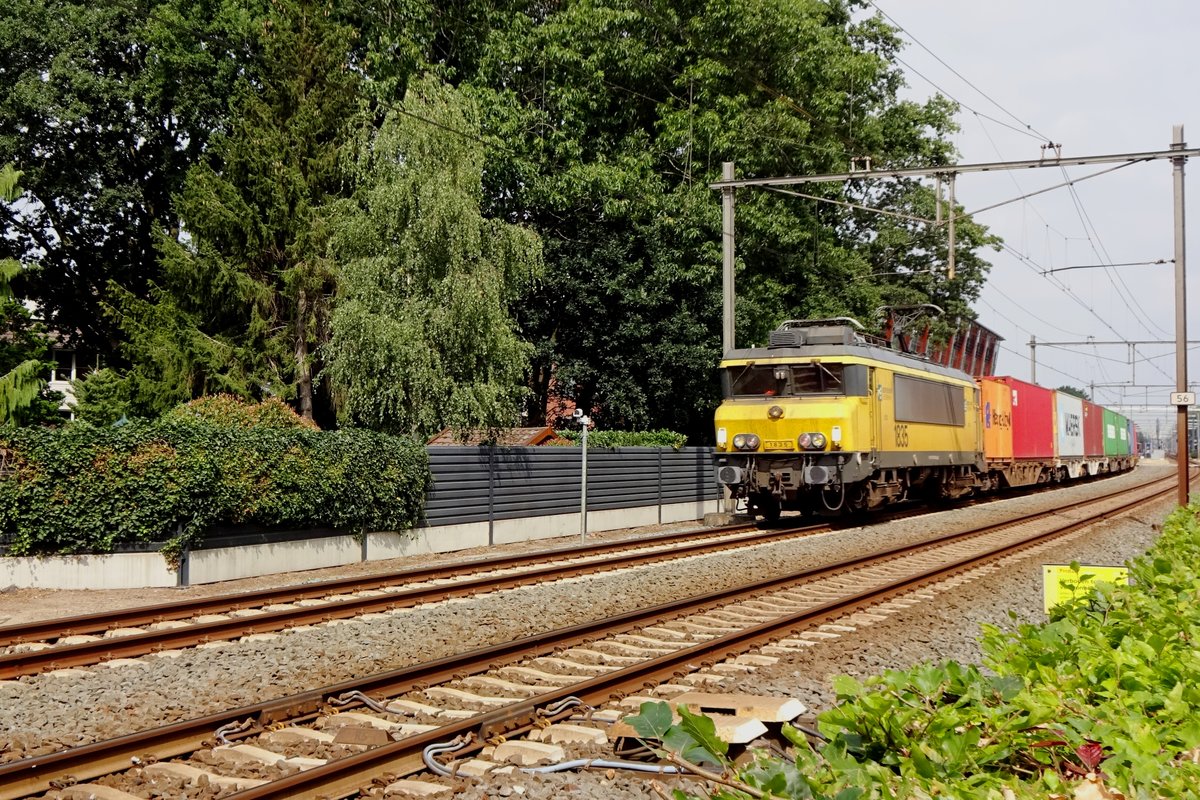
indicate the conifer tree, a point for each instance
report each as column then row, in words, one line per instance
column 244, row 299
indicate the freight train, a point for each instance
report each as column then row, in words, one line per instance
column 828, row 420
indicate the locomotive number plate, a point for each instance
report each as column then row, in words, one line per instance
column 777, row 444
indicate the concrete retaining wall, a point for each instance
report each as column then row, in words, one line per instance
column 141, row 570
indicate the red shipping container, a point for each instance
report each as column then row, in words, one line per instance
column 1093, row 430
column 1032, row 419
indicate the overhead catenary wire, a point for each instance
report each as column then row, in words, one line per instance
column 847, row 204
column 960, row 76
column 1037, row 268
column 968, row 107
column 1051, row 367
column 1113, row 278
column 1134, row 307
column 1024, row 311
column 1069, row 183
column 1012, row 176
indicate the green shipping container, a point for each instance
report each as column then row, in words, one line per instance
column 1116, row 434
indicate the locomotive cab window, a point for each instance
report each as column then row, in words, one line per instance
column 794, row 380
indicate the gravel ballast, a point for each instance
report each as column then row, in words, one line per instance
column 50, row 712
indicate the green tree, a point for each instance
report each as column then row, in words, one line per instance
column 24, row 346
column 102, row 397
column 243, row 301
column 423, row 336
column 1074, row 391
column 614, row 119
column 104, row 106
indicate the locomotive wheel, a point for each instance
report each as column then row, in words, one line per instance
column 767, row 505
column 857, row 499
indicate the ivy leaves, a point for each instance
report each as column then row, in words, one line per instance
column 694, row 739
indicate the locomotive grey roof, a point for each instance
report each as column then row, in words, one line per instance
column 833, row 338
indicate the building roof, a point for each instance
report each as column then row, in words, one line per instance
column 504, row 437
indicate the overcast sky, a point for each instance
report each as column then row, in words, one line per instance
column 1100, row 77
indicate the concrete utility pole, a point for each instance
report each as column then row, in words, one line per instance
column 950, row 247
column 1032, row 358
column 727, row 327
column 1177, row 144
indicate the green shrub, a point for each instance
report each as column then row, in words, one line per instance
column 1102, row 701
column 101, row 397
column 660, row 438
column 230, row 411
column 86, row 489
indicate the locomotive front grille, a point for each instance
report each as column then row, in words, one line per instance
column 730, row 475
column 816, row 474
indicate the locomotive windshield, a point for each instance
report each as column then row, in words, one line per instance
column 784, row 380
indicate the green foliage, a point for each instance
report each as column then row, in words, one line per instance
column 573, row 436
column 422, row 335
column 191, row 163
column 227, row 411
column 1074, row 391
column 20, row 387
column 1105, row 693
column 101, row 397
column 615, row 116
column 24, row 348
column 104, row 106
column 694, row 738
column 86, row 489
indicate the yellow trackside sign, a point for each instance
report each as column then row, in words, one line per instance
column 1062, row 582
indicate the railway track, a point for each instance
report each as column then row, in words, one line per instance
column 513, row 688
column 84, row 640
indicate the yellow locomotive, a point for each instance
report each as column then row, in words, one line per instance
column 826, row 419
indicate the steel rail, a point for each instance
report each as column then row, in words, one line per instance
column 14, row 665
column 40, row 630
column 30, row 776
column 140, row 616
column 82, row 654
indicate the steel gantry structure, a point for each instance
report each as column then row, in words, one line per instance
column 1177, row 155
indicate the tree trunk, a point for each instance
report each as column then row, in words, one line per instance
column 304, row 387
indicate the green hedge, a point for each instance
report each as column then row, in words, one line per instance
column 84, row 489
column 660, row 438
column 1102, row 701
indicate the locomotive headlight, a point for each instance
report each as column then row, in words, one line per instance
column 835, row 436
column 811, row 441
column 746, row 441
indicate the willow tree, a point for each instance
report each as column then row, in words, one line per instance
column 422, row 333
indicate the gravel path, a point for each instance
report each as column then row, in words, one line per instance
column 49, row 712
